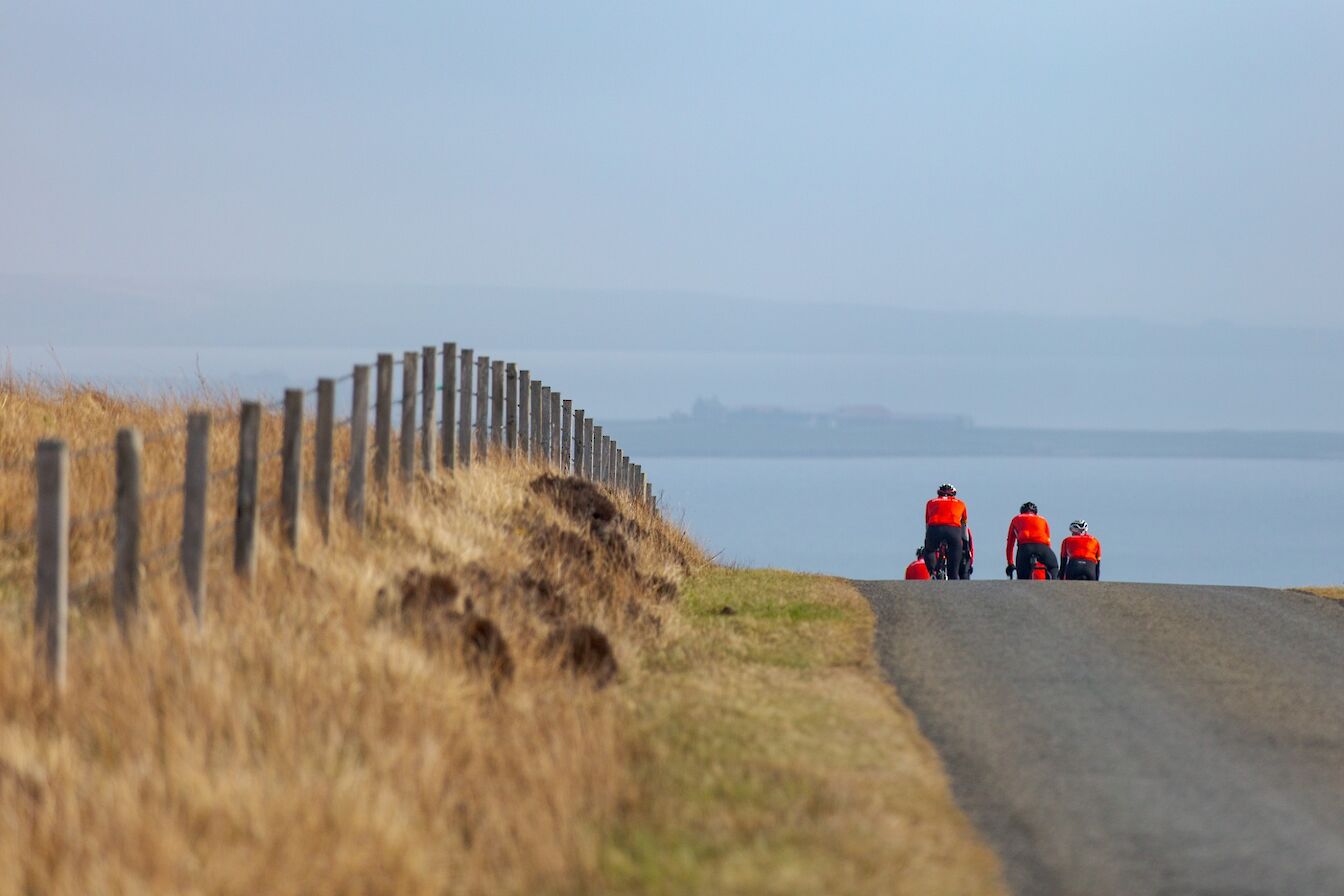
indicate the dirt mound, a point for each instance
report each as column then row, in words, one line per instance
column 580, row 500
column 584, row 652
column 484, row 650
column 425, row 593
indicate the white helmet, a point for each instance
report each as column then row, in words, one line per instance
column 1078, row 527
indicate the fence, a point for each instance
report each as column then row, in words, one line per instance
column 490, row 411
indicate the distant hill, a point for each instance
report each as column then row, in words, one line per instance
column 41, row 311
column 712, row 430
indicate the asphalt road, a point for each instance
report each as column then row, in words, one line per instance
column 1132, row 739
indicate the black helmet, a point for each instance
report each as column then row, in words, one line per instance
column 947, row 490
column 1028, row 507
column 919, row 552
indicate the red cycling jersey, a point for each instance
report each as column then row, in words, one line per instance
column 917, row 570
column 1027, row 528
column 948, row 511
column 1079, row 547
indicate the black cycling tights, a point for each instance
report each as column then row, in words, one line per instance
column 1082, row 570
column 1042, row 552
column 952, row 536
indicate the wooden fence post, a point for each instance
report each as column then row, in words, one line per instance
column 51, row 609
column 566, row 446
column 359, row 442
column 511, row 409
column 245, row 509
column 382, row 428
column 449, row 404
column 126, row 569
column 543, row 431
column 557, row 405
column 649, row 498
column 323, row 447
column 525, row 423
column 291, row 469
column 483, row 407
column 195, row 498
column 595, row 473
column 410, row 364
column 534, row 414
column 428, row 401
column 580, row 450
column 497, row 407
column 591, row 436
column 464, row 403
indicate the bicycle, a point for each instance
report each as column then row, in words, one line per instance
column 940, row 563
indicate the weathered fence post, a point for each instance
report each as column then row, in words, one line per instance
column 497, row 407
column 126, row 569
column 245, row 509
column 410, row 364
column 195, row 498
column 51, row 610
column 544, row 434
column 511, row 409
column 291, row 469
column 525, row 423
column 649, row 498
column 449, row 404
column 592, row 434
column 566, row 421
column 430, row 367
column 557, row 404
column 382, row 428
column 627, row 476
column 483, row 407
column 323, row 447
column 580, row 450
column 608, row 452
column 537, row 424
column 464, row 400
column 359, row 442
column 595, row 472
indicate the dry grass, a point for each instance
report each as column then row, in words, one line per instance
column 1334, row 592
column 312, row 737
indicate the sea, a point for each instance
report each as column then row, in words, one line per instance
column 1272, row 523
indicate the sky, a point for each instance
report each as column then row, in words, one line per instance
column 1157, row 160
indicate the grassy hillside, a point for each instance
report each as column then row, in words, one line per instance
column 515, row 682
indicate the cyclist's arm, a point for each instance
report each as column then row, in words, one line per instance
column 1012, row 542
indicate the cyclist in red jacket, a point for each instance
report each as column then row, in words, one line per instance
column 945, row 521
column 917, row 570
column 1030, row 533
column 1080, row 554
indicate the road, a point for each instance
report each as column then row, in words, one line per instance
column 1132, row 739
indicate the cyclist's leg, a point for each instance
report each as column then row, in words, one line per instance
column 1082, row 570
column 1050, row 560
column 954, row 557
column 930, row 549
column 1025, row 555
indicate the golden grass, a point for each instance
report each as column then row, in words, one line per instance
column 314, row 737
column 309, row 739
column 1334, row 592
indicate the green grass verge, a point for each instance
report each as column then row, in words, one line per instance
column 769, row 757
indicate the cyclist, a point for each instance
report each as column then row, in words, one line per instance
column 1030, row 533
column 1080, row 554
column 945, row 523
column 918, row 569
column 968, row 555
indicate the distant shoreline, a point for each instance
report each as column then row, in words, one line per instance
column 686, row 437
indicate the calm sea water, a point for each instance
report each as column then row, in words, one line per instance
column 1274, row 523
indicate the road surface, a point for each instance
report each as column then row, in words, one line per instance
column 1132, row 739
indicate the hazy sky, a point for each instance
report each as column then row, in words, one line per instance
column 1150, row 159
